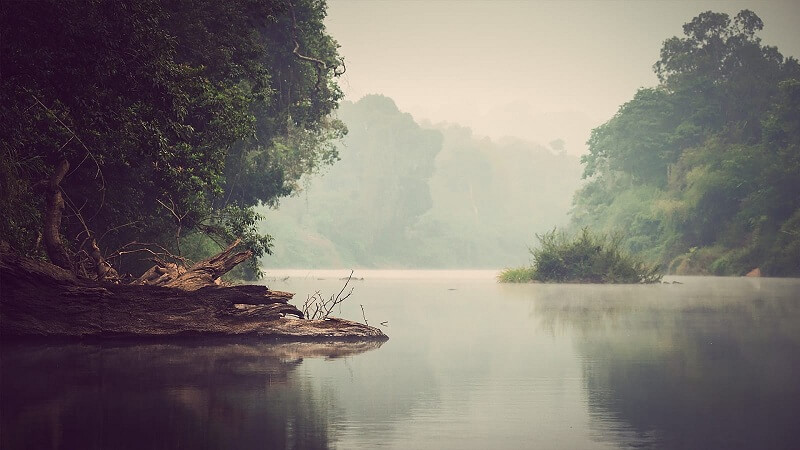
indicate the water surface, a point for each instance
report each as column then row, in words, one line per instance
column 709, row 363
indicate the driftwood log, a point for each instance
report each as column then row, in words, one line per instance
column 39, row 299
column 202, row 274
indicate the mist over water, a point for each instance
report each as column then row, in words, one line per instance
column 710, row 363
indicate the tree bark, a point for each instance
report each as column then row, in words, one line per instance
column 206, row 272
column 202, row 274
column 103, row 269
column 52, row 219
column 38, row 299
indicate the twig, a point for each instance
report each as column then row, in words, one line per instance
column 103, row 268
column 364, row 315
column 164, row 253
column 321, row 66
column 316, row 307
column 178, row 220
column 115, row 229
column 99, row 172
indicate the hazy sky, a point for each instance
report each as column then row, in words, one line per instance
column 535, row 69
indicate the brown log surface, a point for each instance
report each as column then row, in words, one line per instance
column 38, row 299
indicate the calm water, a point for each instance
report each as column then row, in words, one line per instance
column 710, row 363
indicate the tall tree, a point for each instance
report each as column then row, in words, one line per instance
column 170, row 118
column 700, row 172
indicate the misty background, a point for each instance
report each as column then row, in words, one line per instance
column 467, row 120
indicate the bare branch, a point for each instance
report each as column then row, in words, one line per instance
column 115, row 229
column 178, row 220
column 321, row 65
column 316, row 307
column 143, row 247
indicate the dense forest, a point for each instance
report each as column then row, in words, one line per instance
column 702, row 173
column 429, row 196
column 169, row 129
column 133, row 129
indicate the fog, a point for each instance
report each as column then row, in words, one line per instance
column 468, row 121
column 406, row 194
column 538, row 70
column 578, row 221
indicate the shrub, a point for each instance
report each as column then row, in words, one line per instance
column 516, row 275
column 584, row 258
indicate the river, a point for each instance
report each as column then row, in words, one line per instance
column 700, row 363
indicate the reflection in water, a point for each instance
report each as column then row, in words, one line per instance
column 229, row 395
column 709, row 364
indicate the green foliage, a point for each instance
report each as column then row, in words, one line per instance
column 784, row 259
column 702, row 172
column 585, row 258
column 176, row 117
column 369, row 199
column 516, row 275
column 639, row 139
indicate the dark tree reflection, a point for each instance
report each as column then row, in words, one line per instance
column 700, row 369
column 227, row 395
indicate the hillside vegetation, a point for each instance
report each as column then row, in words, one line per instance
column 702, row 172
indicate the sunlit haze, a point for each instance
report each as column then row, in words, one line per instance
column 539, row 70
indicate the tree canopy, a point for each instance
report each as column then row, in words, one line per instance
column 702, row 171
column 168, row 119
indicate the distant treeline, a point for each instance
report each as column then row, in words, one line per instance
column 406, row 195
column 702, row 172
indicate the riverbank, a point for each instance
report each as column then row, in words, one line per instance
column 39, row 300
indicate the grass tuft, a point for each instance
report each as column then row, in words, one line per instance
column 516, row 275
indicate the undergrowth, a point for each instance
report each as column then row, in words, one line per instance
column 583, row 258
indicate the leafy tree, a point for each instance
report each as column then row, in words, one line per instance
column 642, row 139
column 172, row 118
column 368, row 201
column 713, row 146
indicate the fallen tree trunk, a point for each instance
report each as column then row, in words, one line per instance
column 206, row 272
column 201, row 274
column 40, row 299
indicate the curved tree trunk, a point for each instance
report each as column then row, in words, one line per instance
column 52, row 219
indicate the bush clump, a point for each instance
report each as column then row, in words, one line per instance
column 516, row 275
column 583, row 258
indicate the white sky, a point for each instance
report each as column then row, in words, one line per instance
column 535, row 69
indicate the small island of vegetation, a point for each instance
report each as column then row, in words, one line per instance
column 584, row 258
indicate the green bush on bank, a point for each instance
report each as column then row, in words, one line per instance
column 583, row 258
